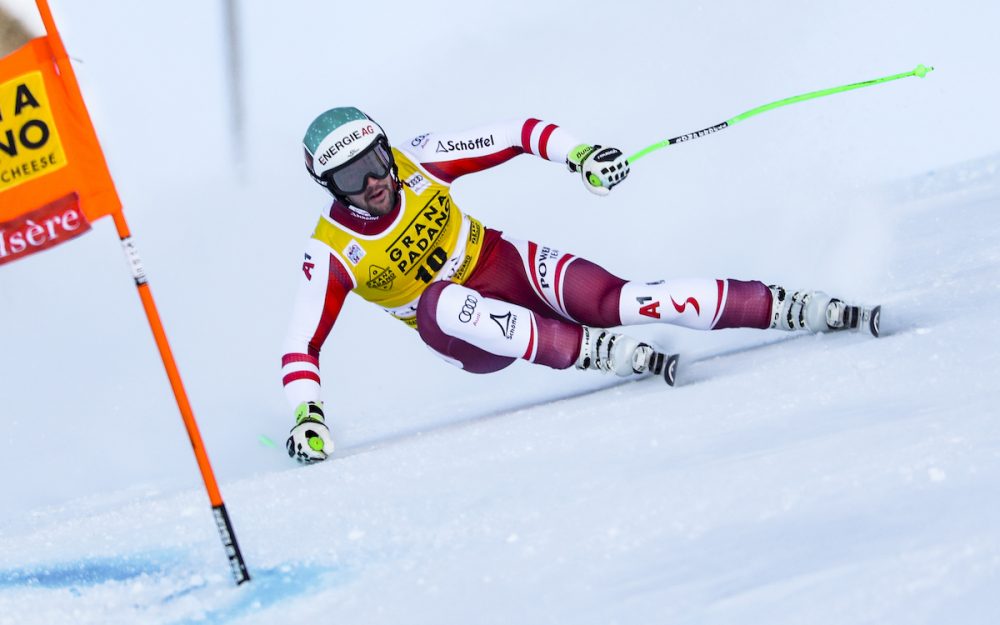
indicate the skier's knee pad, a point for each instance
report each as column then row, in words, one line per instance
column 443, row 341
column 493, row 325
column 440, row 310
column 458, row 307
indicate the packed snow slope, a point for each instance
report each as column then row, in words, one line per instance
column 815, row 479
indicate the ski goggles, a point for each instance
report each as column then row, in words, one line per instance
column 351, row 178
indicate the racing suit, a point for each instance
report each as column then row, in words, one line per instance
column 477, row 298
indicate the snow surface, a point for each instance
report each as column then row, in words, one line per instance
column 816, row 479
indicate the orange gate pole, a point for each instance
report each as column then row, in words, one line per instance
column 222, row 521
column 225, row 526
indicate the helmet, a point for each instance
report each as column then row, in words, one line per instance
column 343, row 146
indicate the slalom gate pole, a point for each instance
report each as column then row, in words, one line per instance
column 222, row 521
column 920, row 71
column 226, row 533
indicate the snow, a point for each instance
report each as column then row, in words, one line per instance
column 810, row 479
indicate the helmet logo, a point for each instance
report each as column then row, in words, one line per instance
column 345, row 141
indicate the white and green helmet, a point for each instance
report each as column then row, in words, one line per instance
column 343, row 147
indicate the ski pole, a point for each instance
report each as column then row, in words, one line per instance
column 920, row 71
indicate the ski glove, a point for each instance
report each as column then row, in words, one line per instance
column 309, row 440
column 600, row 168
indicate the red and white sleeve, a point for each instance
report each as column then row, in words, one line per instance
column 449, row 155
column 324, row 283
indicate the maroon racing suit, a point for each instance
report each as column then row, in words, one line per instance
column 523, row 299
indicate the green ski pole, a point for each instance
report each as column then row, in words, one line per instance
column 920, row 72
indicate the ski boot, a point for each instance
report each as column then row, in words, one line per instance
column 816, row 311
column 625, row 356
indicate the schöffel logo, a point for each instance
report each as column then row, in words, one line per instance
column 42, row 228
column 472, row 144
column 507, row 323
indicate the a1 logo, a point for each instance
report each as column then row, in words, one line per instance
column 307, row 267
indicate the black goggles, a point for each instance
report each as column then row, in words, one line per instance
column 351, row 178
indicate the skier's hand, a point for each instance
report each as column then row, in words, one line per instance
column 601, row 168
column 309, row 441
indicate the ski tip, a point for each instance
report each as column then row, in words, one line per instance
column 670, row 369
column 874, row 320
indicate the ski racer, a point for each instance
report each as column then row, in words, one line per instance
column 478, row 298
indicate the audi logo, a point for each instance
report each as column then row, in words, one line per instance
column 468, row 307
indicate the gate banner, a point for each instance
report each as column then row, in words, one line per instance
column 53, row 177
column 42, row 228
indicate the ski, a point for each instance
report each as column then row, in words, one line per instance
column 863, row 319
column 871, row 318
column 664, row 365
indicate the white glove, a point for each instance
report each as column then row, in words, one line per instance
column 600, row 168
column 309, row 440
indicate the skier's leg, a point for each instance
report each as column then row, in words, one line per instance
column 534, row 276
column 738, row 304
column 483, row 334
column 717, row 304
column 561, row 285
column 552, row 282
column 503, row 274
column 698, row 303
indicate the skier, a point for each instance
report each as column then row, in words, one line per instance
column 481, row 300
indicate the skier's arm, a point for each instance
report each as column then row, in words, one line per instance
column 324, row 283
column 449, row 155
column 323, row 286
